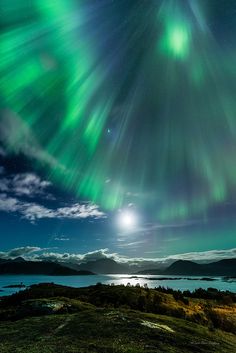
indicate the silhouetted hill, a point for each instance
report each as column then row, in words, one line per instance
column 18, row 259
column 104, row 266
column 225, row 267
column 37, row 267
column 184, row 267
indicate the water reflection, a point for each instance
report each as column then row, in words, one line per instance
column 175, row 282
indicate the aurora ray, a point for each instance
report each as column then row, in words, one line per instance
column 69, row 77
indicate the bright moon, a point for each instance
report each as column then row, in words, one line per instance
column 127, row 219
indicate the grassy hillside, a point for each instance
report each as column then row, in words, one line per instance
column 49, row 318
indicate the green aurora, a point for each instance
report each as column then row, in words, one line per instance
column 151, row 122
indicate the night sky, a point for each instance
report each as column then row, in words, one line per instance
column 118, row 129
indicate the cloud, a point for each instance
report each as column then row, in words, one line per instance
column 19, row 138
column 29, row 184
column 30, row 253
column 25, row 184
column 76, row 258
column 206, row 256
column 134, row 244
column 9, row 204
column 97, row 255
column 150, row 227
column 4, row 185
column 137, row 262
column 80, row 211
column 61, row 238
column 2, row 152
column 203, row 256
column 22, row 251
column 33, row 211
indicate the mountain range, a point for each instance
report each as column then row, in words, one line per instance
column 226, row 267
column 101, row 266
column 21, row 266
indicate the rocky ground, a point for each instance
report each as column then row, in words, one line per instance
column 60, row 324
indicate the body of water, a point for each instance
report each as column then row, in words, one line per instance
column 185, row 283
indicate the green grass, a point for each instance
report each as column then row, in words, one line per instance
column 110, row 331
column 113, row 324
